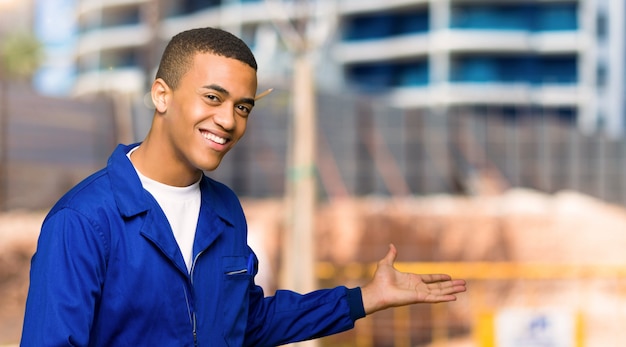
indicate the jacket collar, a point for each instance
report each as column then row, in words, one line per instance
column 129, row 194
column 132, row 200
column 215, row 200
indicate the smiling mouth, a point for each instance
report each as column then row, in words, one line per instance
column 214, row 138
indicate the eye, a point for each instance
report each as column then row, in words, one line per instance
column 243, row 110
column 212, row 97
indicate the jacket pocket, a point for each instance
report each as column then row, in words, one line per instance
column 238, row 274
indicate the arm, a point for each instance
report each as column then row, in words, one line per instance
column 391, row 288
column 67, row 271
column 290, row 317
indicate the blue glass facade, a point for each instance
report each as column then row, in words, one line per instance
column 109, row 60
column 527, row 17
column 528, row 69
column 191, row 6
column 129, row 16
column 385, row 25
column 377, row 76
column 379, row 26
column 119, row 16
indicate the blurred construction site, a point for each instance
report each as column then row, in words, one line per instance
column 494, row 154
column 554, row 259
column 528, row 210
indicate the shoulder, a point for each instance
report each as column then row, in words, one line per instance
column 89, row 205
column 92, row 191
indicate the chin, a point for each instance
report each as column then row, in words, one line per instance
column 204, row 161
column 209, row 166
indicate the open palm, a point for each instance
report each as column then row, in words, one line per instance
column 390, row 287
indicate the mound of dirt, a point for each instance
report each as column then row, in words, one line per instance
column 18, row 239
column 518, row 226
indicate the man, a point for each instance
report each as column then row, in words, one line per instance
column 151, row 252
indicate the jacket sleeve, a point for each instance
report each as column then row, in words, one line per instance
column 290, row 317
column 66, row 276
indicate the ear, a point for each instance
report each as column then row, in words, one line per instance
column 160, row 93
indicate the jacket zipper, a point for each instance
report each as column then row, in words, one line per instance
column 193, row 311
column 192, row 318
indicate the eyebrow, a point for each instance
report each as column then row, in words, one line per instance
column 222, row 90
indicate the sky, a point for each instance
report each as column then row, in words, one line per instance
column 55, row 26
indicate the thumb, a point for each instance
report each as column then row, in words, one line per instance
column 391, row 255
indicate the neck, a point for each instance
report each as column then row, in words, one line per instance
column 153, row 162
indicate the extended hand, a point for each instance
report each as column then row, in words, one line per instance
column 391, row 288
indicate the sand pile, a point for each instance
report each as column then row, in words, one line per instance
column 520, row 225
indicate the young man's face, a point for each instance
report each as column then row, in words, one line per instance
column 208, row 111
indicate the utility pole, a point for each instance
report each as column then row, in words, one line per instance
column 299, row 248
column 298, row 268
column 298, row 251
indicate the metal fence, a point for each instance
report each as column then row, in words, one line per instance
column 368, row 148
column 50, row 144
column 547, row 304
column 364, row 148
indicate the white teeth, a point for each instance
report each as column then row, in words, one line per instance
column 214, row 138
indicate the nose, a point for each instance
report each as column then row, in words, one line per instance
column 225, row 116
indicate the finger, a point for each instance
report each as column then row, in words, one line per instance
column 450, row 290
column 448, row 287
column 391, row 255
column 445, row 298
column 434, row 278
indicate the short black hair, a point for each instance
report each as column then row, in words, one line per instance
column 179, row 52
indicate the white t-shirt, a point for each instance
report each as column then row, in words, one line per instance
column 181, row 206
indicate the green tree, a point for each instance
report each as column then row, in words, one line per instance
column 21, row 54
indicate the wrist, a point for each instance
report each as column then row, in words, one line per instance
column 371, row 300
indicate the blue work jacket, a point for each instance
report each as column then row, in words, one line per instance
column 108, row 272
